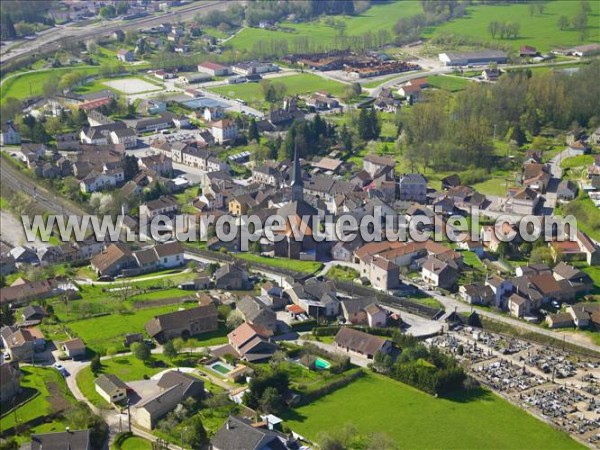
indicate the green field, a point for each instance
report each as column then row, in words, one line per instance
column 375, row 18
column 296, row 84
column 577, row 161
column 136, row 443
column 539, row 30
column 31, row 84
column 52, row 395
column 283, row 263
column 100, row 333
column 452, row 84
column 417, row 420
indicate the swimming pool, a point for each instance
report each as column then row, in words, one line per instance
column 321, row 364
column 222, row 368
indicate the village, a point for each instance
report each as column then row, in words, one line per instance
column 144, row 338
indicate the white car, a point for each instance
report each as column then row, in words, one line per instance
column 59, row 367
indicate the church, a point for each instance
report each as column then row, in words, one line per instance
column 298, row 214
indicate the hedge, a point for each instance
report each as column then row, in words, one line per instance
column 310, row 395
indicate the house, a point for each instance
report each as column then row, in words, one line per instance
column 10, row 381
column 224, row 130
column 595, row 140
column 239, row 433
column 450, row 182
column 374, row 164
column 519, row 306
column 69, row 439
column 183, row 323
column 162, row 206
column 21, row 291
column 490, row 74
column 579, row 148
column 477, row 294
column 67, row 141
column 501, row 288
column 33, row 312
column 213, row 69
column 579, row 282
column 256, row 312
column 151, row 106
column 316, row 298
column 19, row 342
column 174, row 388
column 566, row 191
column 268, row 174
column 584, row 314
column 125, row 55
column 363, row 344
column 74, row 348
column 112, row 260
column 110, row 388
column 231, row 277
column 322, row 101
column 125, row 136
column 159, row 163
column 524, row 201
column 527, row 51
column 382, row 273
column 213, row 113
column 412, row 187
column 251, row 343
column 536, row 176
column 10, row 135
column 439, row 273
column 364, row 311
column 160, row 256
column 560, row 320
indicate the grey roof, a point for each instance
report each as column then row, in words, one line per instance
column 354, row 305
column 189, row 385
column 253, row 309
column 179, row 319
column 64, row 440
column 239, row 434
column 358, row 341
column 109, row 383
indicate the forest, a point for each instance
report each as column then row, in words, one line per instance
column 456, row 131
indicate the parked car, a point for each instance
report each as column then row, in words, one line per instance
column 106, row 278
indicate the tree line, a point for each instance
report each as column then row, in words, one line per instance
column 426, row 368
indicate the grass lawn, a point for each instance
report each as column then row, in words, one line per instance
column 31, row 84
column 52, row 395
column 587, row 215
column 342, row 273
column 136, row 443
column 493, row 186
column 100, row 333
column 283, row 263
column 375, row 18
column 539, row 30
column 577, row 161
column 472, row 260
column 127, row 368
column 452, row 84
column 378, row 404
column 296, row 84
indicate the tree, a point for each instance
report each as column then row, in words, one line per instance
column 195, row 435
column 541, row 254
column 271, row 402
column 140, row 351
column 234, row 319
column 253, row 133
column 53, row 126
column 91, row 46
column 494, row 28
column 169, row 350
column 346, row 138
column 7, row 315
column 130, row 168
column 39, row 135
column 107, row 12
column 563, row 22
column 95, row 365
column 7, row 27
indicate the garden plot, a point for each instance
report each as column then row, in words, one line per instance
column 132, row 85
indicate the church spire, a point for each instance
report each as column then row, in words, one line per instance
column 297, row 184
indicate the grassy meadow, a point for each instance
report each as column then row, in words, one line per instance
column 303, row 83
column 375, row 18
column 417, row 420
column 538, row 30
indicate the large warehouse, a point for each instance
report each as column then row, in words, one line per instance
column 473, row 58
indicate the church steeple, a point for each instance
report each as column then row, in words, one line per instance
column 297, row 183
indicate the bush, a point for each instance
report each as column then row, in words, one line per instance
column 312, row 394
column 120, row 438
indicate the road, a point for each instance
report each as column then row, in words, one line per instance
column 52, row 40
column 451, row 304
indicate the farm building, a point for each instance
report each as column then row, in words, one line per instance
column 473, row 58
